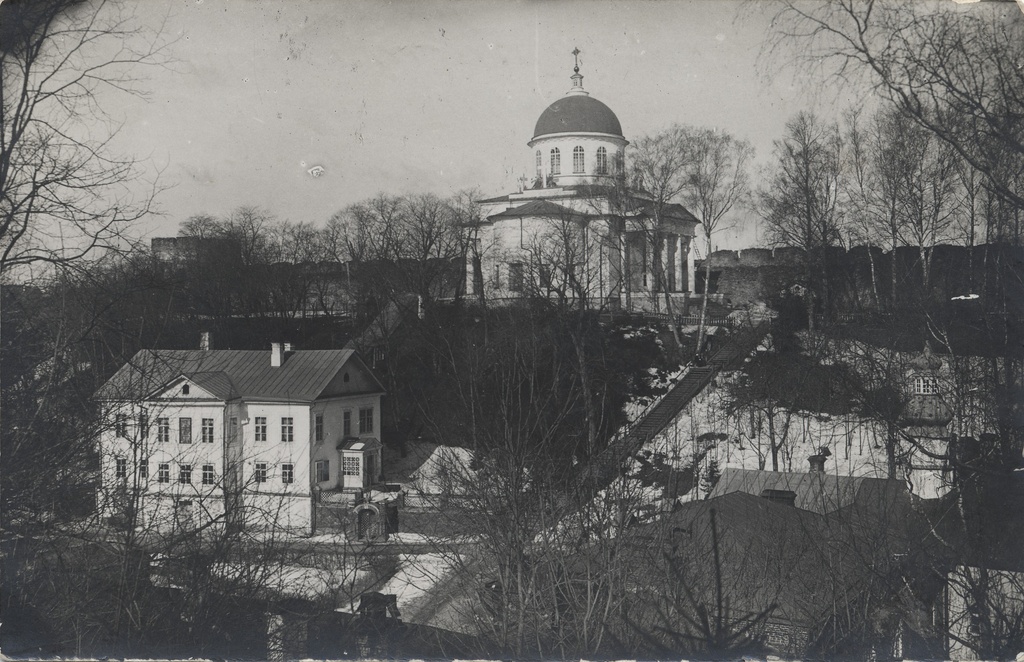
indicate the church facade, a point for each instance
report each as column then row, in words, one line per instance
column 577, row 231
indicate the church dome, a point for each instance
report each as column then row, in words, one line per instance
column 577, row 113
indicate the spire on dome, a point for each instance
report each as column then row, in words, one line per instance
column 577, row 77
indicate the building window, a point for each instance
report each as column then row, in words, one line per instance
column 318, row 427
column 926, row 385
column 207, row 430
column 121, row 425
column 208, row 475
column 163, row 429
column 365, row 420
column 323, row 471
column 497, row 276
column 515, row 277
column 261, row 428
column 261, row 472
column 144, row 423
column 545, row 276
column 185, row 473
column 577, row 159
column 120, row 468
column 184, row 430
column 602, row 161
column 185, row 389
column 556, row 162
column 287, row 429
column 351, row 466
column 540, row 165
column 144, row 470
column 287, row 474
column 346, row 424
column 163, row 473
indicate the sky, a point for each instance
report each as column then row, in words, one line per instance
column 430, row 96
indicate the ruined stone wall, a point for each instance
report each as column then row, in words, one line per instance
column 861, row 278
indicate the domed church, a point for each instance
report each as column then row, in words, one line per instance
column 575, row 230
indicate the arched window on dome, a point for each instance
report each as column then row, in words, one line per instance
column 602, row 161
column 540, row 165
column 556, row 162
column 577, row 159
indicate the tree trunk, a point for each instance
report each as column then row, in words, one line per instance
column 704, row 303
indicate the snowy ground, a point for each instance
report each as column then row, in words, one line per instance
column 417, row 574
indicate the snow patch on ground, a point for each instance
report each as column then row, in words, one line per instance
column 417, row 575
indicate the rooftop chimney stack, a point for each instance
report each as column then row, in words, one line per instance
column 276, row 354
column 818, row 461
column 205, row 343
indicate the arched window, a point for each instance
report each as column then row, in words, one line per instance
column 602, row 161
column 540, row 172
column 577, row 159
column 556, row 162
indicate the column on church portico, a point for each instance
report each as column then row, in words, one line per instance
column 685, row 278
column 672, row 262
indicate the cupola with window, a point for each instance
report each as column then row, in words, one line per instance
column 926, row 413
column 581, row 126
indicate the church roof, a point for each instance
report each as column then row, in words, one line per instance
column 536, row 208
column 578, row 113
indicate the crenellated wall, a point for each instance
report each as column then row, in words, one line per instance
column 862, row 277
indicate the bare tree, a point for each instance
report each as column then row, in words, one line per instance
column 947, row 68
column 801, row 201
column 716, row 182
column 904, row 187
column 64, row 193
column 658, row 168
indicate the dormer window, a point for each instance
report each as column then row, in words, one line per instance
column 540, row 164
column 926, row 385
column 577, row 159
column 602, row 161
column 556, row 162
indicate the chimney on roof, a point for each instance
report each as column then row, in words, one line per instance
column 205, row 341
column 276, row 354
column 817, row 462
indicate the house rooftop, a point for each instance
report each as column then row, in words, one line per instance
column 816, row 491
column 230, row 374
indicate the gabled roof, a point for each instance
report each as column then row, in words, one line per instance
column 815, row 491
column 229, row 374
column 500, row 198
column 536, row 208
column 671, row 211
column 217, row 382
column 769, row 555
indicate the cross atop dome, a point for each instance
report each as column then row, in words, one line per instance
column 577, row 77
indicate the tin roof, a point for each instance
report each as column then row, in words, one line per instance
column 537, row 208
column 815, row 491
column 230, row 374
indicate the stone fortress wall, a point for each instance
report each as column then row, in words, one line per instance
column 856, row 274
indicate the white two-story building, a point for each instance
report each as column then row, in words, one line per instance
column 236, row 436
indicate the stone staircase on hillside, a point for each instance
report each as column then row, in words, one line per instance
column 729, row 356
